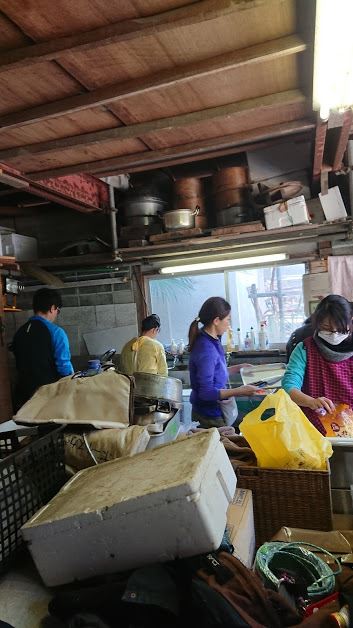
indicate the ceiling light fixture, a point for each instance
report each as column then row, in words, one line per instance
column 221, row 264
column 333, row 57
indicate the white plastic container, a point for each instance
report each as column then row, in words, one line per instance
column 287, row 213
column 153, row 507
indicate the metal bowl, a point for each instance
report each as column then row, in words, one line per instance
column 143, row 205
column 180, row 219
column 233, row 215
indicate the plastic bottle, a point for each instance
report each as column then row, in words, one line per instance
column 173, row 347
column 181, row 347
column 238, row 342
column 247, row 342
column 229, row 343
column 262, row 338
column 252, row 339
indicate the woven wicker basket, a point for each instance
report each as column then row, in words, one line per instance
column 287, row 497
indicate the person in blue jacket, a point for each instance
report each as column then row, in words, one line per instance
column 207, row 364
column 41, row 348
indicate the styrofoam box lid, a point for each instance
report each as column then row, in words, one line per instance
column 291, row 203
column 132, row 483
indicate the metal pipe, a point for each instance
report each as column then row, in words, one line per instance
column 114, row 233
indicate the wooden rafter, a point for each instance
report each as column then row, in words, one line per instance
column 342, row 140
column 126, row 30
column 255, row 105
column 113, row 93
column 319, row 146
column 186, row 153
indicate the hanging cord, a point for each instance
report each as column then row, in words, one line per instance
column 89, row 449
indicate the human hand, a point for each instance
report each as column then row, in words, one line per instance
column 226, row 430
column 244, row 391
column 322, row 402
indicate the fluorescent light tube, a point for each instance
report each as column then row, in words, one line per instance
column 333, row 57
column 228, row 263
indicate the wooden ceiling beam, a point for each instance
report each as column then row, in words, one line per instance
column 186, row 153
column 319, row 147
column 342, row 140
column 268, row 51
column 255, row 105
column 201, row 11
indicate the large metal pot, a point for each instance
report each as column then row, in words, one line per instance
column 143, row 205
column 180, row 219
column 158, row 387
column 233, row 216
column 142, row 221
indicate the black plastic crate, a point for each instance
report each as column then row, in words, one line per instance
column 30, row 475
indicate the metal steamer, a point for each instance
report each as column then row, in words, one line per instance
column 157, row 400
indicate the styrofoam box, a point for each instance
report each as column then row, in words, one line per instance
column 286, row 214
column 23, row 248
column 158, row 505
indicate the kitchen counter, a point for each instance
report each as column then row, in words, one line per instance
column 181, row 371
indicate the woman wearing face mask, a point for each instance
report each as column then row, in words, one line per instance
column 319, row 373
column 208, row 368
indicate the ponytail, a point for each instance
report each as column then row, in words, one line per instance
column 214, row 307
column 193, row 332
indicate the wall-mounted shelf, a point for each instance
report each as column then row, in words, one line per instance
column 208, row 244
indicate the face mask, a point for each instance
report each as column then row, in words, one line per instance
column 333, row 338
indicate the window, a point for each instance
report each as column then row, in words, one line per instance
column 272, row 294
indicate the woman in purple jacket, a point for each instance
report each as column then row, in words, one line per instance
column 207, row 364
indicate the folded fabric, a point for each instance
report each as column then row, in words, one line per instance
column 104, row 400
column 239, row 451
column 84, row 450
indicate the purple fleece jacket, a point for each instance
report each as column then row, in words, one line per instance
column 208, row 375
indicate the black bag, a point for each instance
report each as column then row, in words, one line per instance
column 211, row 591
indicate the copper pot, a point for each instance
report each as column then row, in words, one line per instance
column 188, row 192
column 230, row 187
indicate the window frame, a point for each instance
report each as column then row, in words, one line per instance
column 274, row 346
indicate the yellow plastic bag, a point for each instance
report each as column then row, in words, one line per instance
column 286, row 439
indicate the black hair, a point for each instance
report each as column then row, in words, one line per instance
column 336, row 309
column 214, row 307
column 151, row 322
column 44, row 298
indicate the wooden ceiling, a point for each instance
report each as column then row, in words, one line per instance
column 104, row 86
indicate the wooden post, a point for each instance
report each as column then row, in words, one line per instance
column 5, row 386
column 139, row 293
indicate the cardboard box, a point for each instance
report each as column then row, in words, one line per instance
column 240, row 526
column 287, row 213
column 316, row 286
column 336, row 541
column 343, row 522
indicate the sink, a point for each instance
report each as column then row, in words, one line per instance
column 182, row 374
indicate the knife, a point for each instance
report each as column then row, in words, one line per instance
column 267, row 382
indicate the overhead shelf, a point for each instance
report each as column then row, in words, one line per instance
column 208, row 244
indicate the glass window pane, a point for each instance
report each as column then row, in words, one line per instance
column 177, row 300
column 271, row 294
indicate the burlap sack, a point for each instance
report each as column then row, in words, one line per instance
column 85, row 450
column 104, row 400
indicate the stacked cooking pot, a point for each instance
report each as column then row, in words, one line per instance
column 189, row 205
column 230, row 196
column 156, row 399
column 143, row 210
